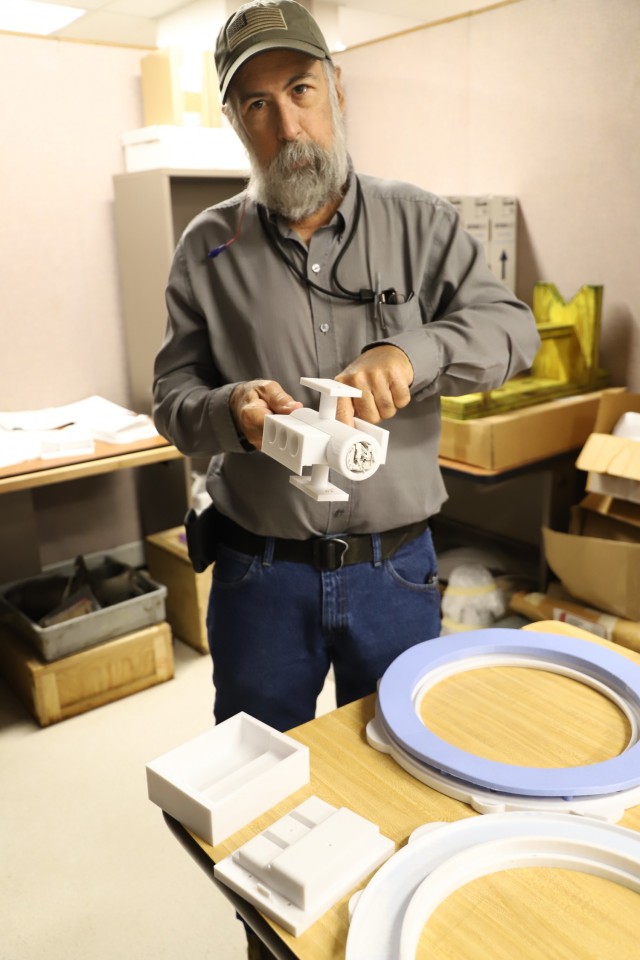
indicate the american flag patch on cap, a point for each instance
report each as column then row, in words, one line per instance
column 251, row 22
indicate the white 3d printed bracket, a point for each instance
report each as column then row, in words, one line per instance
column 305, row 862
column 310, row 438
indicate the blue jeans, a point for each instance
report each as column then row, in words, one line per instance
column 275, row 627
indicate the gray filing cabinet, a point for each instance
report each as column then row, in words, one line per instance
column 152, row 208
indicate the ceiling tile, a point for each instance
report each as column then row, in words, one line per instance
column 112, row 28
column 145, row 8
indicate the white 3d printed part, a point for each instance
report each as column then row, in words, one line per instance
column 610, row 807
column 223, row 779
column 305, row 862
column 390, row 913
column 310, row 438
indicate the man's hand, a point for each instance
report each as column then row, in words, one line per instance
column 251, row 401
column 384, row 374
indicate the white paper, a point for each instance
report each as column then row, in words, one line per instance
column 16, row 447
column 109, row 422
column 19, row 446
column 99, row 418
column 70, row 441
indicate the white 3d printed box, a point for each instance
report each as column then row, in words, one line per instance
column 226, row 777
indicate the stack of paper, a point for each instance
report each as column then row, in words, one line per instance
column 109, row 422
column 69, row 431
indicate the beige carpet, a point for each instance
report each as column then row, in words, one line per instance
column 88, row 867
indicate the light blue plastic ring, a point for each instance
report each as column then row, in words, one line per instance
column 403, row 677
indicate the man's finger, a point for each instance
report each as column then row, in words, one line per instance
column 277, row 398
column 369, row 407
column 400, row 393
column 344, row 410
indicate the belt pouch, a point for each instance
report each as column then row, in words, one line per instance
column 202, row 530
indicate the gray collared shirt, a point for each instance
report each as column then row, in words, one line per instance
column 245, row 315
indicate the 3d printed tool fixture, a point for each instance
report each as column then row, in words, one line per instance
column 310, row 438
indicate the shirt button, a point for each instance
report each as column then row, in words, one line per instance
column 324, row 328
column 315, row 267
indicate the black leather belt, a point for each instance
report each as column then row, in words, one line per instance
column 324, row 553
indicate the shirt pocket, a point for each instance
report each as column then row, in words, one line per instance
column 392, row 318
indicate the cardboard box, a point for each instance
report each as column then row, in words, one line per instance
column 503, row 215
column 184, row 148
column 598, row 561
column 179, row 87
column 541, row 606
column 492, row 220
column 592, row 519
column 621, row 511
column 522, row 436
column 83, row 681
column 603, row 573
column 187, row 591
column 613, row 462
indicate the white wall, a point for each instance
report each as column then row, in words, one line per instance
column 63, row 109
column 540, row 99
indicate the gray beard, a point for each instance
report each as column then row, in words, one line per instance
column 297, row 192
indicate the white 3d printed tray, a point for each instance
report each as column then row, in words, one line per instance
column 221, row 780
column 305, row 862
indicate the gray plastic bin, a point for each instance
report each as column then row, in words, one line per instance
column 71, row 636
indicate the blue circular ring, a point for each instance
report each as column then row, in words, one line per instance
column 399, row 717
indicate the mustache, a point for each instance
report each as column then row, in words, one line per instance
column 297, row 156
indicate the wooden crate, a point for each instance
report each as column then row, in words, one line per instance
column 187, row 591
column 104, row 673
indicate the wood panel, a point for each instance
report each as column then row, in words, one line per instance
column 104, row 673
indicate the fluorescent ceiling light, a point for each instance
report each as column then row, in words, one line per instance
column 29, row 16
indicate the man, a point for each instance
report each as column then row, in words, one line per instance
column 315, row 271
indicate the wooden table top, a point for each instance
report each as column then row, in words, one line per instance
column 107, row 458
column 517, row 715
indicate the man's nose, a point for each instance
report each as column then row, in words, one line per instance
column 288, row 123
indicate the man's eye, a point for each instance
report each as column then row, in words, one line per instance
column 300, row 89
column 256, row 105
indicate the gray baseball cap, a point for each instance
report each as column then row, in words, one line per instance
column 262, row 25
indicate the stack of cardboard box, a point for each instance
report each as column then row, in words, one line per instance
column 187, row 591
column 493, row 221
column 598, row 560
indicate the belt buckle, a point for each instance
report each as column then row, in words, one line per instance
column 329, row 553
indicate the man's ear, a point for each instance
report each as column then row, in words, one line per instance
column 340, row 88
